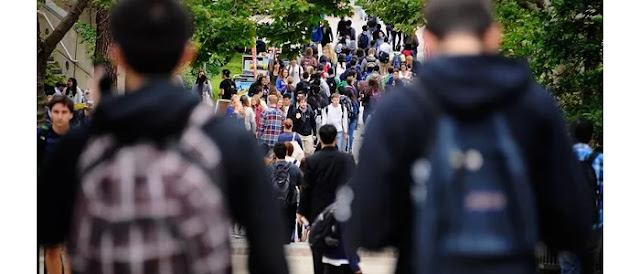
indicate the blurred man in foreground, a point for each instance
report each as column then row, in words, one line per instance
column 487, row 170
column 151, row 184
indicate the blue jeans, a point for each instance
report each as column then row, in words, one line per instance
column 352, row 128
column 365, row 114
column 340, row 141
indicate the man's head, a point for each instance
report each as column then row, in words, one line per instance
column 364, row 28
column 273, row 100
column 328, row 135
column 461, row 27
column 396, row 74
column 151, row 37
column 61, row 108
column 302, row 102
column 386, row 39
column 305, row 76
column 335, row 99
column 280, row 150
column 390, row 70
column 226, row 73
column 286, row 100
column 349, row 23
column 330, row 71
column 582, row 130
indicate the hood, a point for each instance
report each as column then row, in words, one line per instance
column 156, row 110
column 472, row 85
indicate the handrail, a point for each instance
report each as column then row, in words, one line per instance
column 61, row 43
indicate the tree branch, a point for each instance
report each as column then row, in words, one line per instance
column 64, row 26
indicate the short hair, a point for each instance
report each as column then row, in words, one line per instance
column 61, row 99
column 288, row 124
column 395, row 70
column 290, row 148
column 286, row 96
column 372, row 51
column 330, row 71
column 323, row 59
column 353, row 62
column 226, row 72
column 386, row 39
column 582, row 130
column 360, row 53
column 327, row 134
column 390, row 70
column 151, row 34
column 376, row 68
column 364, row 28
column 449, row 16
column 301, row 98
column 349, row 22
column 272, row 99
column 335, row 95
column 280, row 150
column 305, row 75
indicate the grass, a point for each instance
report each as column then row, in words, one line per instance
column 234, row 65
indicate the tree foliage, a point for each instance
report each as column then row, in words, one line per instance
column 405, row 15
column 290, row 22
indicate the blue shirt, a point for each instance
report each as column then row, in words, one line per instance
column 288, row 136
column 583, row 151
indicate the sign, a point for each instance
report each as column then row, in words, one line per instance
column 248, row 67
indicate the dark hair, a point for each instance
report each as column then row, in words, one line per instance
column 305, row 75
column 386, row 39
column 342, row 90
column 342, row 57
column 58, row 84
column 447, row 16
column 201, row 80
column 349, row 23
column 582, row 130
column 73, row 89
column 353, row 62
column 226, row 72
column 350, row 94
column 280, row 150
column 61, row 99
column 286, row 95
column 327, row 134
column 369, row 68
column 364, row 28
column 315, row 89
column 376, row 68
column 330, row 71
column 390, row 70
column 151, row 34
column 323, row 59
column 360, row 53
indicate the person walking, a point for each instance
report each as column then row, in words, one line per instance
column 478, row 121
column 335, row 114
column 271, row 122
column 227, row 86
column 136, row 191
column 324, row 172
column 304, row 123
column 286, row 179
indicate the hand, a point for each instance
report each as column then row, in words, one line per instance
column 346, row 136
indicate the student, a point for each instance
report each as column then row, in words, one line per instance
column 295, row 71
column 288, row 135
column 202, row 87
column 281, row 82
column 271, row 122
column 134, row 134
column 327, row 34
column 285, row 173
column 353, row 121
column 56, row 259
column 304, row 123
column 477, row 85
column 324, row 172
column 335, row 114
column 73, row 91
column 294, row 153
column 369, row 61
column 572, row 262
column 405, row 74
column 227, row 86
column 249, row 115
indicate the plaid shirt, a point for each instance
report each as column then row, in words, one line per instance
column 271, row 122
column 583, row 151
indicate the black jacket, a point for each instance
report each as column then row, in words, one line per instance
column 466, row 87
column 155, row 112
column 324, row 172
column 305, row 123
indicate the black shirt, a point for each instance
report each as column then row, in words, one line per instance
column 229, row 87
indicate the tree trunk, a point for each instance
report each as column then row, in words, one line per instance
column 46, row 47
column 103, row 42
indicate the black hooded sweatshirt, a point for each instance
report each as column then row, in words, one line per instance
column 157, row 111
column 467, row 87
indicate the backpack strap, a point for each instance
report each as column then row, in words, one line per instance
column 592, row 157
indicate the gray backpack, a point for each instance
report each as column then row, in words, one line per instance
column 150, row 208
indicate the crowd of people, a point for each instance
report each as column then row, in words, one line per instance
column 465, row 167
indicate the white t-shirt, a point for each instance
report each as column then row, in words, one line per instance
column 386, row 48
column 296, row 73
column 335, row 116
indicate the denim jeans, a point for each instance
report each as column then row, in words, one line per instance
column 340, row 141
column 352, row 128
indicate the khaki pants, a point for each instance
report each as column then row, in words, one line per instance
column 307, row 145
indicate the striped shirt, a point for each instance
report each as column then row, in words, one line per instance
column 271, row 122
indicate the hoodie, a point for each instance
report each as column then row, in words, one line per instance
column 466, row 87
column 155, row 112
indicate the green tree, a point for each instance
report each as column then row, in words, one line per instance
column 405, row 15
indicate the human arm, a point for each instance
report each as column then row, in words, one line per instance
column 262, row 124
column 250, row 198
column 304, row 207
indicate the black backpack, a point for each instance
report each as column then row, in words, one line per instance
column 281, row 180
column 331, row 82
column 384, row 57
column 363, row 41
column 347, row 106
column 325, row 232
column 371, row 61
column 592, row 181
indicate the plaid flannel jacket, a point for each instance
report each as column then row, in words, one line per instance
column 583, row 151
